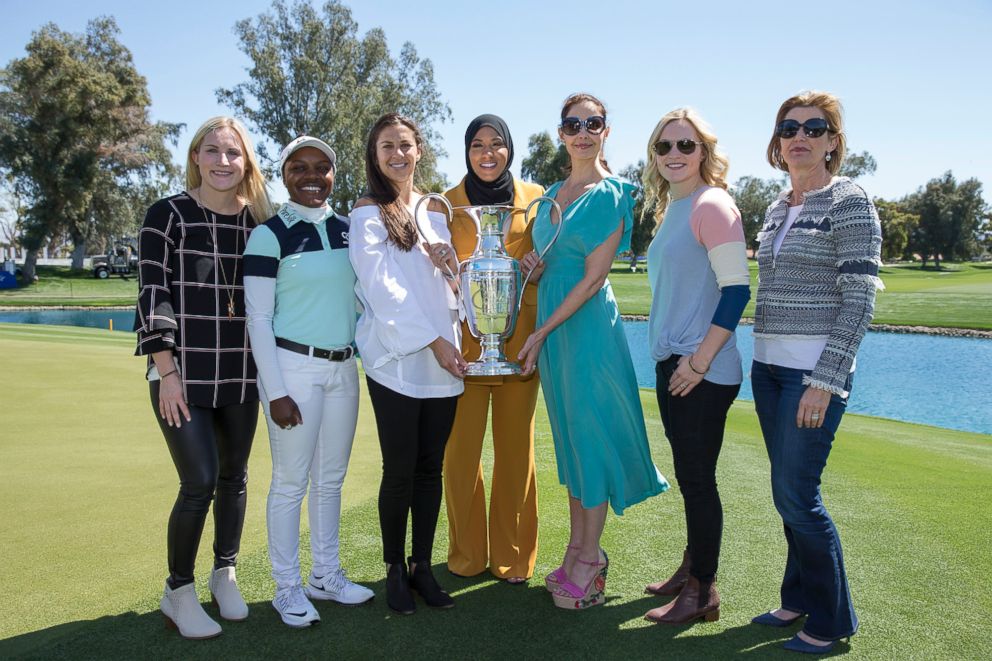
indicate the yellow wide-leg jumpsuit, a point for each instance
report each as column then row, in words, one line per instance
column 508, row 544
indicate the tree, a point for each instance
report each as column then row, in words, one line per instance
column 857, row 165
column 75, row 134
column 951, row 216
column 898, row 224
column 546, row 162
column 312, row 74
column 644, row 223
column 753, row 196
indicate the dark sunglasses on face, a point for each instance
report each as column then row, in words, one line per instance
column 813, row 128
column 593, row 125
column 685, row 145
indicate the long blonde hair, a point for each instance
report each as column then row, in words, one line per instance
column 252, row 190
column 712, row 169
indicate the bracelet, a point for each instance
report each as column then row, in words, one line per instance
column 162, row 376
column 693, row 368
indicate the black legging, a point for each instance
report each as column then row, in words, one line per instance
column 211, row 456
column 694, row 426
column 412, row 436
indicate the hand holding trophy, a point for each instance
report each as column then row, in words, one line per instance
column 490, row 283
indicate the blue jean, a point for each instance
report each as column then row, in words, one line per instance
column 815, row 581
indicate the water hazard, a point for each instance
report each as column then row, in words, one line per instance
column 929, row 379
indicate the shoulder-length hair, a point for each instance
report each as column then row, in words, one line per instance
column 574, row 99
column 712, row 169
column 252, row 190
column 827, row 103
column 395, row 216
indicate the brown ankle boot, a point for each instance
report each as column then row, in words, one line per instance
column 697, row 600
column 674, row 584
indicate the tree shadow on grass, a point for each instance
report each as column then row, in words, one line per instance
column 491, row 619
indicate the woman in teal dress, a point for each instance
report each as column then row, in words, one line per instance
column 579, row 344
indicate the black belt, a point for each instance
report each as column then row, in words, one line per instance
column 307, row 350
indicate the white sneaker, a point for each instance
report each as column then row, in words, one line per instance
column 224, row 588
column 294, row 608
column 336, row 587
column 182, row 611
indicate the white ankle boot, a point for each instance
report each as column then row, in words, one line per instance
column 182, row 611
column 224, row 588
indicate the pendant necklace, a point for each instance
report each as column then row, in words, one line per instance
column 228, row 288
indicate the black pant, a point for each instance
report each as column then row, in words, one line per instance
column 694, row 426
column 412, row 436
column 211, row 456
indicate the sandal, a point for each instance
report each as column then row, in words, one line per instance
column 570, row 596
column 557, row 577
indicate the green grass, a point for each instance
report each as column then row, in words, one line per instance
column 58, row 285
column 87, row 486
column 957, row 296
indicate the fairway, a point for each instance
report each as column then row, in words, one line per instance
column 87, row 486
column 958, row 296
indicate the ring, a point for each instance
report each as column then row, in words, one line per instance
column 815, row 416
column 684, row 386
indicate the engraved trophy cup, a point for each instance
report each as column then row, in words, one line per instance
column 490, row 284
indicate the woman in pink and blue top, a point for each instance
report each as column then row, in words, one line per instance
column 698, row 272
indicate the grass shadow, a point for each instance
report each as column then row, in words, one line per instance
column 491, row 620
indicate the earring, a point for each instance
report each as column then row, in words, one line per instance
column 828, row 157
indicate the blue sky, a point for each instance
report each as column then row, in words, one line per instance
column 914, row 76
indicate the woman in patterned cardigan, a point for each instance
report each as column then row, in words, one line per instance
column 818, row 271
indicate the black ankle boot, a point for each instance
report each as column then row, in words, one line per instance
column 398, row 595
column 422, row 580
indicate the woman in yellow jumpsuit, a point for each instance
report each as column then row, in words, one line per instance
column 508, row 544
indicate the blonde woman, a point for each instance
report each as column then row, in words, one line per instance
column 190, row 321
column 699, row 279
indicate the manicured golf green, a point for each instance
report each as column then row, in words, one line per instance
column 957, row 296
column 57, row 285
column 87, row 485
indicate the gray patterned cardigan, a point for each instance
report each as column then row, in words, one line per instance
column 822, row 282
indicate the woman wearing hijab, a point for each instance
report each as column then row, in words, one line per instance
column 508, row 544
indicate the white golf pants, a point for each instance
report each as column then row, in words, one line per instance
column 317, row 452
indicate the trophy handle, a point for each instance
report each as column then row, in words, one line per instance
column 451, row 215
column 473, row 213
column 561, row 221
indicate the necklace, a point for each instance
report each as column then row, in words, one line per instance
column 575, row 192
column 228, row 288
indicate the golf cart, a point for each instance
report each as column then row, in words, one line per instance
column 122, row 261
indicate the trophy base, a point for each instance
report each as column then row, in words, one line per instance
column 496, row 368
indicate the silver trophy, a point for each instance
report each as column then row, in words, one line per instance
column 489, row 282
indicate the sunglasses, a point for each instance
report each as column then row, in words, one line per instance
column 593, row 125
column 813, row 128
column 685, row 146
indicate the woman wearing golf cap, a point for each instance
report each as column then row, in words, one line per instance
column 300, row 294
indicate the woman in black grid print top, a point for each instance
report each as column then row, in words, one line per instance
column 190, row 321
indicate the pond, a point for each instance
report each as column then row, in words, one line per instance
column 929, row 379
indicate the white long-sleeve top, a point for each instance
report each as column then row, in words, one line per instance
column 407, row 305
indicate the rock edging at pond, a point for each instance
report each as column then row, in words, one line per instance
column 882, row 328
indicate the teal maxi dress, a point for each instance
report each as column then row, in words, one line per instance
column 589, row 384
